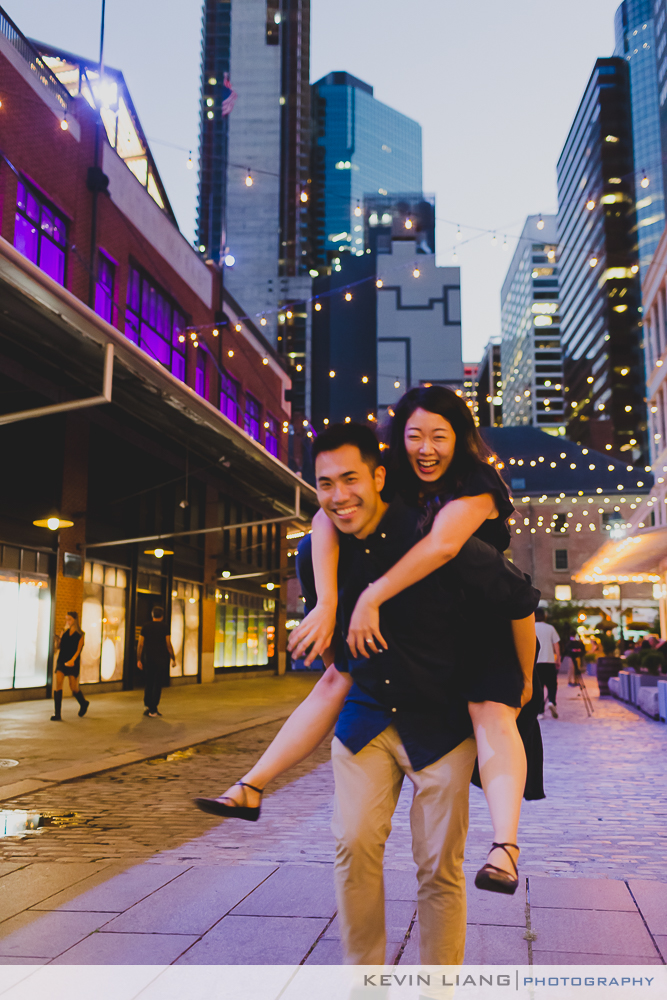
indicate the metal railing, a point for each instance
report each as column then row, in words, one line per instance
column 48, row 79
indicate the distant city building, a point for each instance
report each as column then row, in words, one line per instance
column 569, row 499
column 382, row 323
column 469, row 390
column 599, row 282
column 490, row 387
column 660, row 43
column 361, row 147
column 655, row 347
column 636, row 43
column 532, row 372
column 254, row 191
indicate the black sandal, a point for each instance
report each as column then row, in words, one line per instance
column 496, row 879
column 219, row 808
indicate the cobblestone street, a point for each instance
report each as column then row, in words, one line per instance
column 593, row 853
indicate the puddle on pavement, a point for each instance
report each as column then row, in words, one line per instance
column 14, row 822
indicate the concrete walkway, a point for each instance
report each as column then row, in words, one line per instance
column 592, row 892
column 115, row 732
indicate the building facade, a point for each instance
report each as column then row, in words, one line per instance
column 531, row 364
column 489, row 410
column 254, row 189
column 361, row 147
column 143, row 483
column 569, row 499
column 636, row 43
column 600, row 296
column 383, row 323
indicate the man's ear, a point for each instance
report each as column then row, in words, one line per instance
column 380, row 477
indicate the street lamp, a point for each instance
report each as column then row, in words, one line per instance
column 53, row 523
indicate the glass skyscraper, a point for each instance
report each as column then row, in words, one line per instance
column 600, row 295
column 361, row 147
column 532, row 372
column 636, row 43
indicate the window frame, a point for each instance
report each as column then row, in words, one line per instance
column 272, row 432
column 103, row 256
column 247, row 418
column 152, row 298
column 45, row 205
column 561, row 569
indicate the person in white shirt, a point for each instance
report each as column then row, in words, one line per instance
column 548, row 662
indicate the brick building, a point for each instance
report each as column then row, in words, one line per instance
column 569, row 500
column 190, row 434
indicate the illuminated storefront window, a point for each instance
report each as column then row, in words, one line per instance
column 245, row 633
column 103, row 621
column 25, row 616
column 185, row 602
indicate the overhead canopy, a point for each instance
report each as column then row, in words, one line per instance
column 61, row 341
column 635, row 559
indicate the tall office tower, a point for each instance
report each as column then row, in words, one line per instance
column 635, row 41
column 361, row 147
column 490, row 387
column 532, row 372
column 255, row 161
column 599, row 280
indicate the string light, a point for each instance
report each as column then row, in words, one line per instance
column 265, row 361
column 455, row 256
column 590, row 204
column 332, row 374
column 416, row 273
column 593, row 261
column 263, row 321
column 230, row 354
column 64, row 124
column 408, row 223
column 318, row 306
column 644, row 182
column 189, row 163
column 357, row 210
column 494, row 239
column 364, row 379
column 249, row 181
column 459, row 234
column 304, row 196
column 505, row 244
column 540, row 223
column 348, row 296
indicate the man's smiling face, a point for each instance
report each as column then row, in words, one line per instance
column 348, row 490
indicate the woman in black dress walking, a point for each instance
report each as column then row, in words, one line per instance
column 69, row 644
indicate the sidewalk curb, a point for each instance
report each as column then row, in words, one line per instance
column 52, row 778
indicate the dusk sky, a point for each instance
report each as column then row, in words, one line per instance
column 494, row 85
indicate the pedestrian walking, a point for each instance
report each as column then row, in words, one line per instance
column 69, row 645
column 548, row 659
column 154, row 654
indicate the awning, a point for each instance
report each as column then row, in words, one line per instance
column 635, row 559
column 45, row 327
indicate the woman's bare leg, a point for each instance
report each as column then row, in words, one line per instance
column 302, row 733
column 502, row 769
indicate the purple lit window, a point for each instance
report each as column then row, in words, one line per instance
column 271, row 436
column 251, row 422
column 229, row 398
column 200, row 373
column 106, row 277
column 40, row 233
column 154, row 323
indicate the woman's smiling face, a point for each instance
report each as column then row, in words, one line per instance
column 429, row 442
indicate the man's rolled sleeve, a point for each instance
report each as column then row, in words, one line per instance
column 487, row 576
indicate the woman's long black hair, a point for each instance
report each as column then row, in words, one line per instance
column 469, row 450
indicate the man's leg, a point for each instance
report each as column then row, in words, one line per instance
column 439, row 821
column 552, row 682
column 151, row 687
column 367, row 788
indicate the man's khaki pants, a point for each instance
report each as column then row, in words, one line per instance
column 367, row 788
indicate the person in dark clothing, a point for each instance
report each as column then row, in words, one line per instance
column 69, row 645
column 154, row 654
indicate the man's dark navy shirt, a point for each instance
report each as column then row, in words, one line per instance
column 416, row 683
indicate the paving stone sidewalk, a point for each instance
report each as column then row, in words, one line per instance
column 202, row 891
column 115, row 732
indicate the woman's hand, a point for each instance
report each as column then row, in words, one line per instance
column 70, row 663
column 527, row 692
column 315, row 630
column 364, row 632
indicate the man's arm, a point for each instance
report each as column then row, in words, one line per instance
column 170, row 649
column 140, row 647
column 557, row 653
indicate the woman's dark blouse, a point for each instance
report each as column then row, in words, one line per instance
column 485, row 479
column 69, row 643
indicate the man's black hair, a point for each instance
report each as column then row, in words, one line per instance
column 157, row 613
column 361, row 437
column 540, row 615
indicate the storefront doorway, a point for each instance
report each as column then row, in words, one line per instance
column 25, row 617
